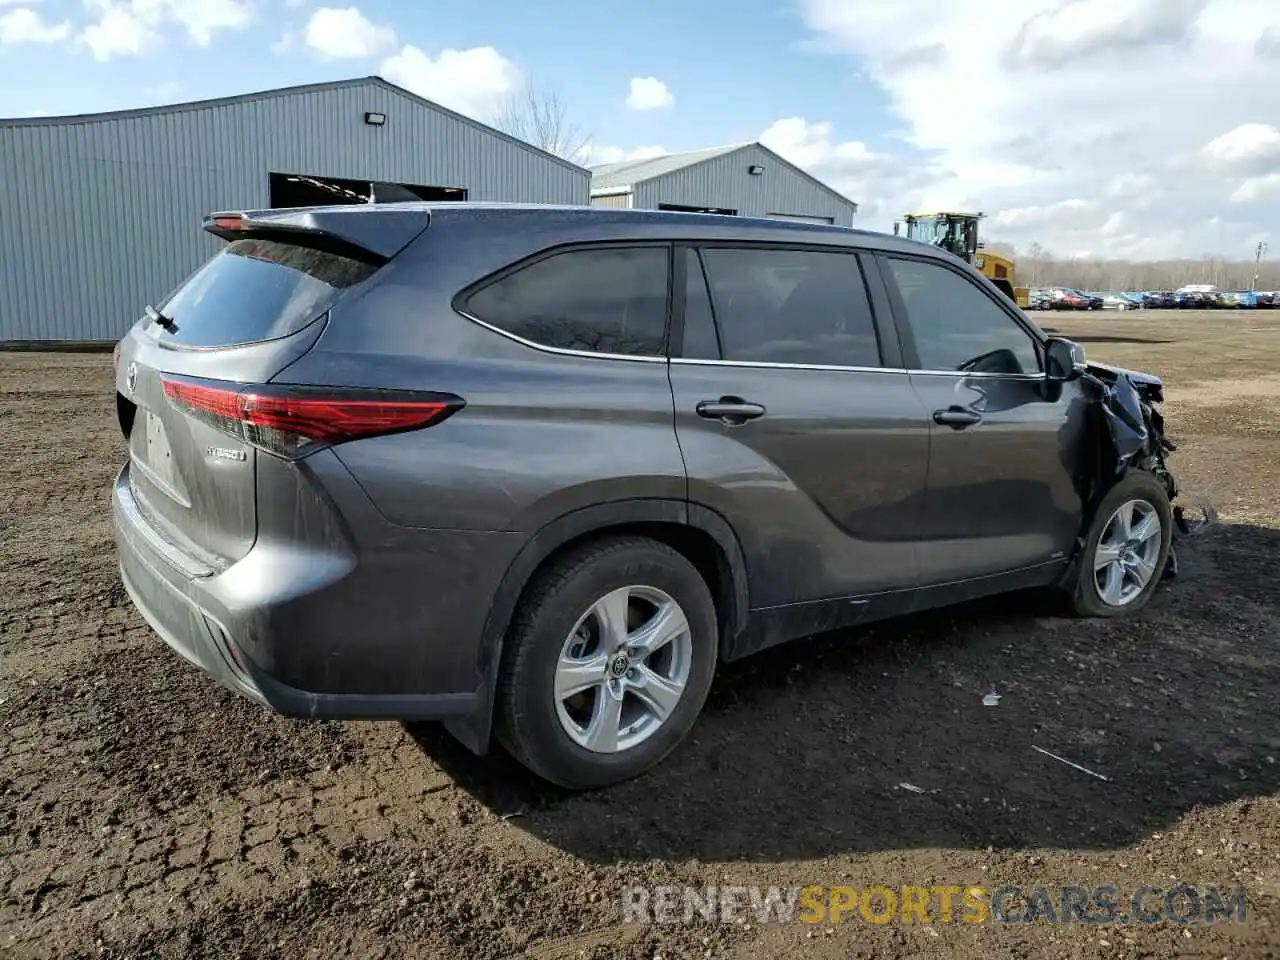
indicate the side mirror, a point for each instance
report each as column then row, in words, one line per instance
column 1063, row 358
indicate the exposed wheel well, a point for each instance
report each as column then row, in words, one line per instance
column 694, row 544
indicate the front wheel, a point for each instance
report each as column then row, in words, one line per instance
column 1126, row 548
column 607, row 664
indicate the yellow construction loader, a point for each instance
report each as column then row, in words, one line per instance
column 958, row 234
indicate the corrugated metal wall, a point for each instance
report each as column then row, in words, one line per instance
column 724, row 182
column 615, row 200
column 104, row 214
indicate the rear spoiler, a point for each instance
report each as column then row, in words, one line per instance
column 379, row 230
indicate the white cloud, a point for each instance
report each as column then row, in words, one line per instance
column 1158, row 110
column 1266, row 187
column 346, row 33
column 202, row 18
column 847, row 166
column 1245, row 145
column 474, row 82
column 130, row 27
column 118, row 33
column 1073, row 212
column 1086, row 29
column 26, row 26
column 649, row 93
column 593, row 155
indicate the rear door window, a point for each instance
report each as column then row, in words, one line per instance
column 700, row 339
column 599, row 300
column 792, row 306
column 257, row 289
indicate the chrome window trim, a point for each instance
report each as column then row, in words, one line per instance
column 756, row 364
column 562, row 351
column 982, row 374
column 777, row 365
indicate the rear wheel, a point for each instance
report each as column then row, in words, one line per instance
column 1125, row 552
column 607, row 663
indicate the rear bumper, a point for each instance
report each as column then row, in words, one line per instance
column 214, row 623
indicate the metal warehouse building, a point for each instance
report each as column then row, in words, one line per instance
column 746, row 179
column 110, row 205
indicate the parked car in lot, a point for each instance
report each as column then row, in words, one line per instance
column 1159, row 299
column 1039, row 300
column 419, row 461
column 1120, row 301
column 1093, row 301
column 1239, row 299
column 1061, row 298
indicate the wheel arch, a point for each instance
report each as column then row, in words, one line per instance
column 698, row 533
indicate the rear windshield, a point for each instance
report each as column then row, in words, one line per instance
column 257, row 289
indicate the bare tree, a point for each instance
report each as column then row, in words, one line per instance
column 538, row 115
column 1038, row 267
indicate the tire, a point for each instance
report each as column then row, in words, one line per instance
column 563, row 618
column 1148, row 494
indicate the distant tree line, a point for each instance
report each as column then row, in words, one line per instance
column 1037, row 267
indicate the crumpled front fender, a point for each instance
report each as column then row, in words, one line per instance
column 1129, row 412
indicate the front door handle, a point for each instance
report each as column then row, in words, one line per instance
column 957, row 418
column 732, row 411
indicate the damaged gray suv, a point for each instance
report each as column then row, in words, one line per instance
column 536, row 471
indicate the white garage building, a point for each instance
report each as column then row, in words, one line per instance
column 745, row 179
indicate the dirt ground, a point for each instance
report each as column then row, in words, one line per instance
column 145, row 812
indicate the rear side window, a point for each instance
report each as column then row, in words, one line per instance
column 607, row 300
column 792, row 306
column 257, row 289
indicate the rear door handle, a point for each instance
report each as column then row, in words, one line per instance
column 729, row 410
column 957, row 418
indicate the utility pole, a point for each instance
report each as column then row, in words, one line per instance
column 1259, row 251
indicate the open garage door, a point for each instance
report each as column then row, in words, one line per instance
column 684, row 208
column 306, row 190
column 798, row 217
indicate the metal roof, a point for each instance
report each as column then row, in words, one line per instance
column 615, row 178
column 282, row 92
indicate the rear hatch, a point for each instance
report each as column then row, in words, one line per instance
column 191, row 375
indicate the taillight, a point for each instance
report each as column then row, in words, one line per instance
column 293, row 421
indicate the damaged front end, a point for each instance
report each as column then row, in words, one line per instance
column 1127, row 405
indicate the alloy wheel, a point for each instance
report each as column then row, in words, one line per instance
column 623, row 669
column 1125, row 559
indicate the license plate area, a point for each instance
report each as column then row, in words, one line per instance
column 159, row 454
column 152, row 453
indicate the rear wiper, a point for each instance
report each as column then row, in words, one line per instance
column 155, row 316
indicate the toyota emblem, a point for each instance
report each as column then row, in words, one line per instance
column 131, row 378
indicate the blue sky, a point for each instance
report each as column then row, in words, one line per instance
column 754, row 70
column 1132, row 128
